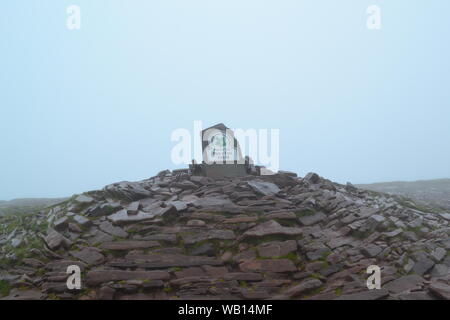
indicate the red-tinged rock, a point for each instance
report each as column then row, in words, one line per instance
column 277, row 265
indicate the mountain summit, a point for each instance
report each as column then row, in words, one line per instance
column 180, row 236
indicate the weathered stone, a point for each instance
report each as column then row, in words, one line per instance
column 404, row 283
column 75, row 228
column 103, row 276
column 17, row 294
column 207, row 249
column 371, row 250
column 423, row 266
column 277, row 248
column 272, row 228
column 365, row 295
column 304, row 287
column 99, row 237
column 128, row 245
column 441, row 290
column 244, row 276
column 54, row 240
column 33, row 262
column 276, row 265
column 61, row 265
column 195, row 223
column 285, row 215
column 90, row 255
column 394, row 233
column 440, row 270
column 157, row 261
column 130, row 191
column 339, row 242
column 438, row 254
column 61, row 223
column 308, row 220
column 84, row 199
column 208, row 235
column 417, row 295
column 82, row 221
column 123, row 217
column 312, row 178
column 106, row 293
column 264, row 188
column 107, row 227
column 133, row 208
column 242, row 219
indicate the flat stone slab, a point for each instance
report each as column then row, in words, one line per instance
column 90, row 255
column 339, row 242
column 440, row 290
column 308, row 220
column 208, row 235
column 123, row 217
column 272, row 228
column 61, row 265
column 128, row 245
column 97, row 277
column 17, row 294
column 371, row 250
column 157, row 261
column 374, row 294
column 277, row 248
column 275, row 265
column 263, row 187
column 82, row 221
column 107, row 227
column 403, row 284
column 304, row 287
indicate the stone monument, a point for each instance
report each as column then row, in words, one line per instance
column 222, row 155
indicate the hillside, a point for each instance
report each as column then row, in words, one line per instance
column 434, row 193
column 26, row 205
column 256, row 237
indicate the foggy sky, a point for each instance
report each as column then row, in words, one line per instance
column 82, row 109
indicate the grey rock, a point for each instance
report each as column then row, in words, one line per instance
column 128, row 245
column 82, row 221
column 84, row 199
column 308, row 220
column 272, row 228
column 89, row 255
column 61, row 223
column 440, row 270
column 404, row 283
column 375, row 294
column 304, row 287
column 423, row 266
column 107, row 227
column 133, row 208
column 103, row 276
column 440, row 290
column 263, row 187
column 262, row 265
column 371, row 250
column 55, row 240
column 277, row 248
column 312, row 178
column 438, row 254
column 123, row 217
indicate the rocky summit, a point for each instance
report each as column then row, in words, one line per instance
column 179, row 236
